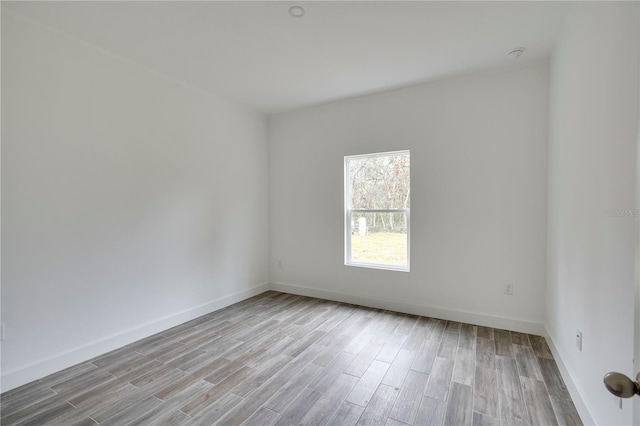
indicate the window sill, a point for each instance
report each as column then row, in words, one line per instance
column 378, row 266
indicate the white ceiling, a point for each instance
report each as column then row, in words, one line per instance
column 256, row 54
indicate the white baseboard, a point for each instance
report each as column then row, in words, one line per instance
column 565, row 371
column 410, row 308
column 36, row 370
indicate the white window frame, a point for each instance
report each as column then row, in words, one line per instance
column 348, row 213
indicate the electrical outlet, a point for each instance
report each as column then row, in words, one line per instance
column 508, row 289
column 579, row 340
column 279, row 264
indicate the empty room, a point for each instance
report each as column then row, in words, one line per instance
column 320, row 213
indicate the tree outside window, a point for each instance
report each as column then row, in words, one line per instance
column 377, row 207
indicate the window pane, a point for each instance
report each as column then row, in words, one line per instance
column 379, row 182
column 379, row 238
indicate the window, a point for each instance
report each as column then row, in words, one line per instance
column 377, row 200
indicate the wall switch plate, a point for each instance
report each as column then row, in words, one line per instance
column 508, row 289
column 579, row 340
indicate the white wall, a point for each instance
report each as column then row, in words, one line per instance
column 129, row 202
column 478, row 220
column 592, row 170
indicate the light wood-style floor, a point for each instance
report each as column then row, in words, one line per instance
column 291, row 360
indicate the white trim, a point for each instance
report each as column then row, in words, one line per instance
column 386, row 267
column 476, row 318
column 380, row 154
column 17, row 377
column 348, row 214
column 577, row 395
column 379, row 210
column 36, row 370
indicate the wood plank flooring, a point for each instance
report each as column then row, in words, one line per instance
column 282, row 359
